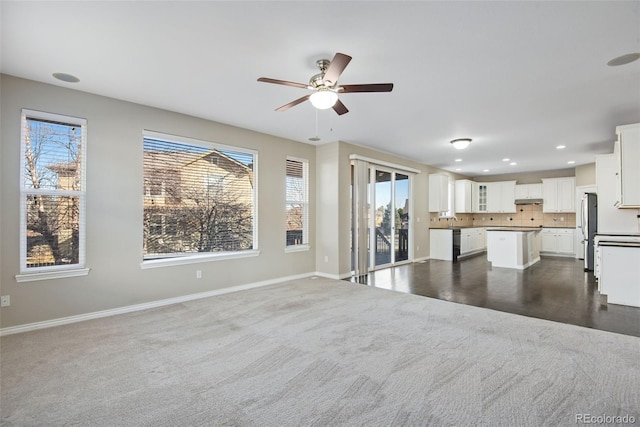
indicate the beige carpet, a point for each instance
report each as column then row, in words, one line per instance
column 319, row 353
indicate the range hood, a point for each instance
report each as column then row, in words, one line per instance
column 528, row 201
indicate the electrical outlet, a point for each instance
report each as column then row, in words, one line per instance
column 198, row 274
column 5, row 301
column 326, row 258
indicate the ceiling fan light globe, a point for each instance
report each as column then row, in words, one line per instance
column 461, row 143
column 324, row 99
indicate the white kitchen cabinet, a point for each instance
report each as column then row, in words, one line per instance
column 465, row 241
column 501, row 197
column 558, row 241
column 528, row 191
column 610, row 219
column 472, row 240
column 620, row 274
column 512, row 249
column 479, row 197
column 559, row 194
column 464, row 196
column 438, row 193
column 628, row 156
column 441, row 244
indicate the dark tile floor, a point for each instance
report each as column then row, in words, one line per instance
column 555, row 289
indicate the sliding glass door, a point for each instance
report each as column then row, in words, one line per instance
column 383, row 219
column 401, row 213
column 381, row 226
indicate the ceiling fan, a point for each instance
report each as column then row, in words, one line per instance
column 325, row 86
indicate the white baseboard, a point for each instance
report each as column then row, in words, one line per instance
column 424, row 258
column 333, row 276
column 556, row 254
column 144, row 306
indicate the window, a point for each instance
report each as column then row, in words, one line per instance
column 297, row 203
column 199, row 200
column 52, row 196
column 451, row 188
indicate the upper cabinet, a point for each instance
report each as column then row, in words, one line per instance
column 438, row 192
column 627, row 151
column 559, row 194
column 464, row 196
column 501, row 196
column 528, row 191
column 479, row 197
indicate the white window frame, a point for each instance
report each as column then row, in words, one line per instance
column 207, row 256
column 451, row 191
column 304, row 246
column 55, row 271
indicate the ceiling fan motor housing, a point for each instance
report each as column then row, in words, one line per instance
column 317, row 81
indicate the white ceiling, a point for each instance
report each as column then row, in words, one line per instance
column 519, row 78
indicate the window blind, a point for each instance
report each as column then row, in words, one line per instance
column 198, row 198
column 297, row 201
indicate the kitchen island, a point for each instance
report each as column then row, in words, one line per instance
column 515, row 247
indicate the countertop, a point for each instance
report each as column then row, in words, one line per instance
column 516, row 229
column 494, row 227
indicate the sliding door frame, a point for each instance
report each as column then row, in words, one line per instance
column 358, row 222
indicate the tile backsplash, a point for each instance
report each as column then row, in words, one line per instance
column 525, row 216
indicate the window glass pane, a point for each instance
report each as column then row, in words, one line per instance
column 196, row 199
column 52, row 155
column 52, row 230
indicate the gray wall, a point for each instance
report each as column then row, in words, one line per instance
column 334, row 205
column 586, row 175
column 114, row 208
column 528, row 177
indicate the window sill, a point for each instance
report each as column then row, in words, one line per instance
column 60, row 274
column 193, row 259
column 297, row 248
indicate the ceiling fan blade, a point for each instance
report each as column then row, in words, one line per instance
column 294, row 103
column 373, row 87
column 283, row 82
column 339, row 108
column 336, row 67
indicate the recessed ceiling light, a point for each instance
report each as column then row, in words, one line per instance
column 571, row 162
column 561, row 147
column 458, row 169
column 458, row 160
column 485, row 170
column 506, row 159
column 513, row 163
column 624, row 59
column 66, row 77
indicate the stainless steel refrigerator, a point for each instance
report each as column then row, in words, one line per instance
column 589, row 227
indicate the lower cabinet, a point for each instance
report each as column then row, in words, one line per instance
column 441, row 244
column 472, row 240
column 558, row 241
